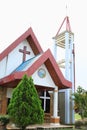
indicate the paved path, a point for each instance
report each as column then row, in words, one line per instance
column 45, row 125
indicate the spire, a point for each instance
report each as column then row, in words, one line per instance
column 68, row 27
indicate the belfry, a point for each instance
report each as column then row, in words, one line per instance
column 64, row 46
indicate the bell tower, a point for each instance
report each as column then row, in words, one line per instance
column 65, row 57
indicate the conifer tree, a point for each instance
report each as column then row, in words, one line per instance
column 25, row 105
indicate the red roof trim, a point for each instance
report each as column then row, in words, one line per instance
column 43, row 59
column 68, row 27
column 61, row 82
column 25, row 35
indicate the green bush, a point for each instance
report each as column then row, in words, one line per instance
column 79, row 123
column 4, row 119
column 25, row 106
column 85, row 121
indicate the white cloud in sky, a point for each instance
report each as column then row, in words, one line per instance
column 45, row 17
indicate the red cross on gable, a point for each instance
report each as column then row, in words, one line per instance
column 24, row 51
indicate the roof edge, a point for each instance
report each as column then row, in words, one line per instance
column 29, row 32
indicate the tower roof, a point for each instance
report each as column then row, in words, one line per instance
column 68, row 27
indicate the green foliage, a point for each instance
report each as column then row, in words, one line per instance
column 81, row 124
column 25, row 105
column 4, row 119
column 77, row 116
column 80, row 98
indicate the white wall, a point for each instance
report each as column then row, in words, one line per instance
column 14, row 59
column 3, row 67
column 9, row 92
column 46, row 81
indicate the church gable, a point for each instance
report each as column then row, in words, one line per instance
column 24, row 48
column 20, row 54
column 42, row 77
column 48, row 60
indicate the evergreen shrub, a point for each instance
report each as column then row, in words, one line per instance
column 25, row 106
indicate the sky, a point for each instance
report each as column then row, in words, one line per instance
column 45, row 18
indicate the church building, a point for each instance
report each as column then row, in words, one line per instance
column 25, row 56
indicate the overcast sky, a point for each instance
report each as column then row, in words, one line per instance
column 45, row 17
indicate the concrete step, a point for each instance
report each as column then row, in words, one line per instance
column 44, row 126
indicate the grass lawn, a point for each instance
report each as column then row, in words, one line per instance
column 77, row 116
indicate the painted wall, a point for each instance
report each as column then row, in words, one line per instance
column 45, row 81
column 9, row 92
column 3, row 67
column 14, row 59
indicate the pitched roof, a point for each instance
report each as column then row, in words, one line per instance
column 49, row 61
column 32, row 40
column 26, row 64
